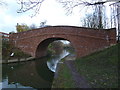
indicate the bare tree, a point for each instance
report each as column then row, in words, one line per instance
column 69, row 5
column 115, row 18
column 96, row 7
column 26, row 5
column 2, row 3
column 43, row 23
column 90, row 20
column 94, row 20
column 118, row 18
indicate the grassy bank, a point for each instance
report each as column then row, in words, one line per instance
column 64, row 78
column 100, row 69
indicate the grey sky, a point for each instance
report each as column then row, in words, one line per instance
column 51, row 11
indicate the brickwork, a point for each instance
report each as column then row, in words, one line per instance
column 84, row 40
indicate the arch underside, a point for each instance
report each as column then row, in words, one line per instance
column 42, row 47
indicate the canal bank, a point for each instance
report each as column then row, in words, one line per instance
column 67, row 76
column 97, row 70
column 36, row 73
column 16, row 60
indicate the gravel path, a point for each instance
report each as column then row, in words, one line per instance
column 80, row 81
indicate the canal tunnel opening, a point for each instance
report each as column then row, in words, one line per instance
column 54, row 46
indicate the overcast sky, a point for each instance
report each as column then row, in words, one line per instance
column 51, row 11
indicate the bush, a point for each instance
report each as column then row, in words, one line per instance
column 8, row 49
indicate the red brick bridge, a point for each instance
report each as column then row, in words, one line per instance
column 84, row 40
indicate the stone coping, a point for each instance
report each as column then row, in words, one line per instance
column 16, row 60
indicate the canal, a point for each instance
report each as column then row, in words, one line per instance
column 38, row 73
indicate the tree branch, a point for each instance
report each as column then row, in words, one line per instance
column 70, row 4
column 27, row 5
column 2, row 3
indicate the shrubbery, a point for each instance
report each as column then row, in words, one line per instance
column 8, row 49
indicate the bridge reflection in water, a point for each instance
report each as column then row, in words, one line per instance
column 38, row 73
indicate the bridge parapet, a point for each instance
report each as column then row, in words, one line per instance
column 80, row 31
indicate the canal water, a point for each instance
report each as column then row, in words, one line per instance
column 38, row 73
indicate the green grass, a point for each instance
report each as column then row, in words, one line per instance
column 64, row 78
column 101, row 68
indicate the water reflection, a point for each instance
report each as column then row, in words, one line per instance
column 52, row 63
column 34, row 74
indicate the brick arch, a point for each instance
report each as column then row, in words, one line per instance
column 84, row 40
column 41, row 49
